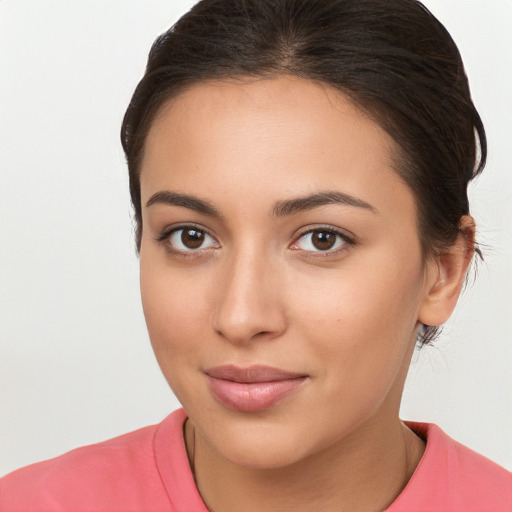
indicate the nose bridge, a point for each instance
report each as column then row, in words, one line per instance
column 248, row 302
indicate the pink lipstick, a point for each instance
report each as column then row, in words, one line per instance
column 252, row 389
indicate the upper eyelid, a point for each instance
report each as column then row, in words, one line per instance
column 166, row 232
column 346, row 235
column 163, row 238
column 349, row 242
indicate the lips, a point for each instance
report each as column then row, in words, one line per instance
column 254, row 388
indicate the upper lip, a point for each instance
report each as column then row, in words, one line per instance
column 255, row 373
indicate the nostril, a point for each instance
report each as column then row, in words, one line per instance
column 248, row 307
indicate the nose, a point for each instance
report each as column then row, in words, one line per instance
column 249, row 303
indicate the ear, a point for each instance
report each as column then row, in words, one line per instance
column 446, row 275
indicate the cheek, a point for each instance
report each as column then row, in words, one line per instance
column 361, row 297
column 176, row 327
column 362, row 317
column 175, row 314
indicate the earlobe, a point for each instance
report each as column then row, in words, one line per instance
column 446, row 275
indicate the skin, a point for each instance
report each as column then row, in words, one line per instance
column 259, row 292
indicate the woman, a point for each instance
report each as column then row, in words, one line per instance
column 299, row 172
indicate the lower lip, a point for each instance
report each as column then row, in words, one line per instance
column 253, row 396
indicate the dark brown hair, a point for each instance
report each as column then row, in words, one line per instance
column 393, row 58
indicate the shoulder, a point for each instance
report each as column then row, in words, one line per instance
column 471, row 476
column 119, row 474
column 451, row 476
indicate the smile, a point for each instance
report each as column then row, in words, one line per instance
column 252, row 389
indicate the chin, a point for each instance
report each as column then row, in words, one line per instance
column 259, row 455
column 258, row 444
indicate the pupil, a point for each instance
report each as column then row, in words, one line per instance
column 192, row 238
column 323, row 240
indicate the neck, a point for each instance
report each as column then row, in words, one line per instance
column 364, row 472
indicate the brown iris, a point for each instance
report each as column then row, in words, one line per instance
column 323, row 240
column 192, row 238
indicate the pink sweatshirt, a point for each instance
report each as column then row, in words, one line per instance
column 148, row 470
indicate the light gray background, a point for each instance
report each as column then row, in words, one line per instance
column 76, row 366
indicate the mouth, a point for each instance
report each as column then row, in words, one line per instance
column 254, row 388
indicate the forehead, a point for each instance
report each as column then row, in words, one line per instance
column 293, row 134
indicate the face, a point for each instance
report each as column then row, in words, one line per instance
column 281, row 271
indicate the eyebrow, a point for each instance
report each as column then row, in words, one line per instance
column 280, row 209
column 299, row 204
column 184, row 200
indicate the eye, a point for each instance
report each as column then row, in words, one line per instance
column 188, row 239
column 321, row 240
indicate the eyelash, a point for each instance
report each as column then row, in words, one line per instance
column 348, row 242
column 163, row 239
